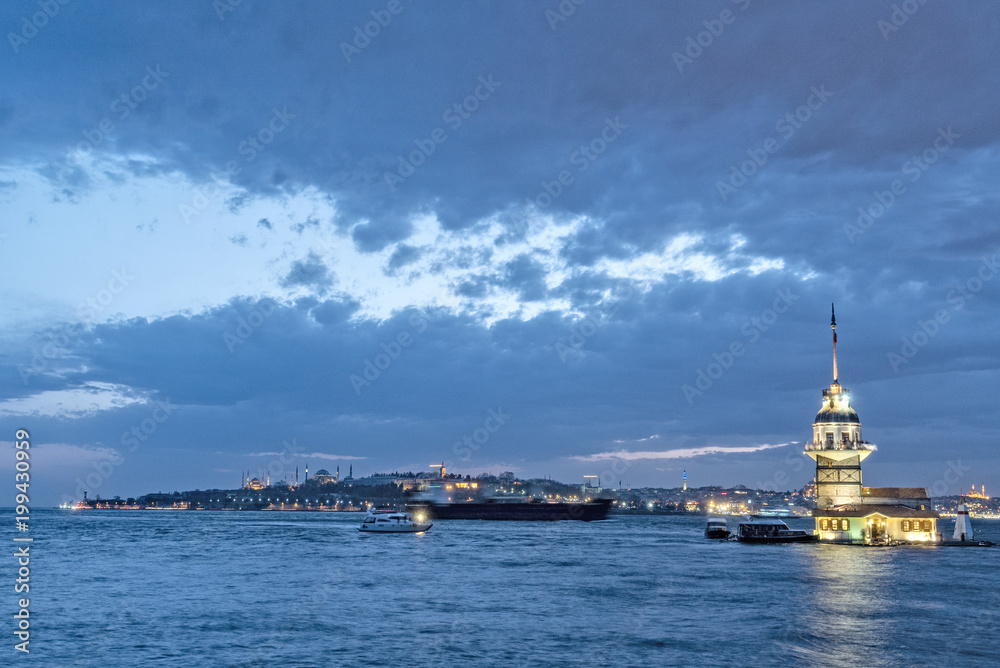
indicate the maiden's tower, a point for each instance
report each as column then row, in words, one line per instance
column 847, row 511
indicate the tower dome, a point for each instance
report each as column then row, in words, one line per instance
column 837, row 408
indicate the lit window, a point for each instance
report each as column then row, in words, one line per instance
column 906, row 525
column 823, row 524
column 845, row 525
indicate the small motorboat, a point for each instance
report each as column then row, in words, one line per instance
column 770, row 530
column 394, row 522
column 717, row 528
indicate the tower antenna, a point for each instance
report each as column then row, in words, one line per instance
column 833, row 326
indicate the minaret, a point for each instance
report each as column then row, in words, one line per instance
column 296, row 476
column 307, row 473
column 837, row 445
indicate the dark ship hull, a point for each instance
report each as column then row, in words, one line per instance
column 544, row 512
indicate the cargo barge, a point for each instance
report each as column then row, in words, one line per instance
column 513, row 510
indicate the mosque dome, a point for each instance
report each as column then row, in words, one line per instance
column 321, row 472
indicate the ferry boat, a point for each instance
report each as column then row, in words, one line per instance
column 394, row 522
column 717, row 528
column 770, row 530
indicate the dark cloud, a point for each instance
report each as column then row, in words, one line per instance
column 310, row 272
column 309, row 222
column 374, row 236
column 402, row 256
column 535, row 149
column 526, row 276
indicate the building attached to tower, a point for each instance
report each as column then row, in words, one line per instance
column 847, row 511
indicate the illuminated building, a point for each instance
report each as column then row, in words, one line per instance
column 322, row 477
column 973, row 494
column 846, row 511
column 254, row 483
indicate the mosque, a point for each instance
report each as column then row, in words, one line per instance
column 846, row 511
column 321, row 477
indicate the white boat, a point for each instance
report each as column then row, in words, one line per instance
column 394, row 522
column 717, row 528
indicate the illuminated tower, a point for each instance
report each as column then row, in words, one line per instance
column 837, row 445
column 685, row 478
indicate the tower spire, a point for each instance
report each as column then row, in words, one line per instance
column 833, row 326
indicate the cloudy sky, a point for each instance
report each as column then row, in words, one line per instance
column 549, row 238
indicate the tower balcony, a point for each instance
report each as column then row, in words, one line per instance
column 839, row 451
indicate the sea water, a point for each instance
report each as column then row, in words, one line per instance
column 183, row 588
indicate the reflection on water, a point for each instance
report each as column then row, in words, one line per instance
column 850, row 620
column 299, row 589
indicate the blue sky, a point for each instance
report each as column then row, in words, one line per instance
column 372, row 234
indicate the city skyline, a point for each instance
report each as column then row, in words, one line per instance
column 548, row 242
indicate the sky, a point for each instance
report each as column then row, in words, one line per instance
column 555, row 238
